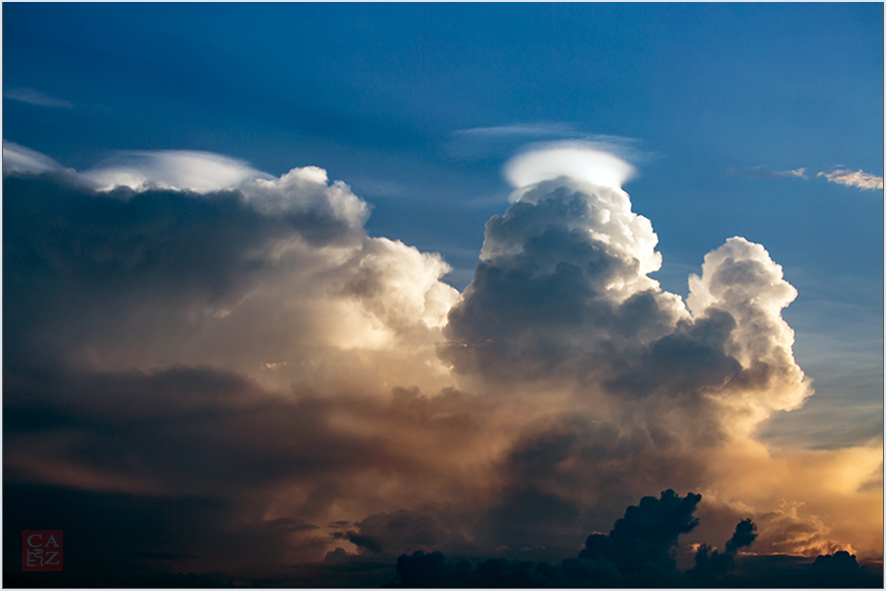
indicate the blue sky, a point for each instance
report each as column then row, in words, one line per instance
column 732, row 115
column 711, row 97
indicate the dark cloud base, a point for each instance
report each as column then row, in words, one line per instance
column 639, row 553
column 106, row 536
column 434, row 571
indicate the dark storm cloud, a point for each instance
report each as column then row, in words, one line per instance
column 744, row 536
column 179, row 430
column 126, row 238
column 266, row 275
column 552, row 474
column 359, row 540
column 107, row 400
column 711, row 562
column 76, row 262
column 188, row 462
column 251, row 357
column 125, row 540
column 683, row 363
column 646, row 534
column 638, row 552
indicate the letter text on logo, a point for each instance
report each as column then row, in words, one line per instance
column 42, row 549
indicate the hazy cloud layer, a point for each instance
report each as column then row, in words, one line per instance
column 322, row 399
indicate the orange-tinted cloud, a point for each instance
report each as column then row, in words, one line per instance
column 326, row 392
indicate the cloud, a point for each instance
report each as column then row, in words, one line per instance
column 35, row 97
column 563, row 290
column 561, row 303
column 202, row 172
column 744, row 536
column 580, row 161
column 521, row 129
column 166, row 277
column 710, row 561
column 500, row 141
column 758, row 172
column 21, row 160
column 177, row 170
column 639, row 550
column 646, row 534
column 215, row 336
column 860, row 179
column 638, row 553
column 505, row 141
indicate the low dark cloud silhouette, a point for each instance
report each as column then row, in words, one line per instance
column 744, row 536
column 421, row 570
column 638, row 552
column 710, row 561
column 647, row 534
column 359, row 540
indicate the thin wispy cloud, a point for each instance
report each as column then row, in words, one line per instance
column 758, row 172
column 503, row 141
column 860, row 179
column 35, row 97
column 559, row 129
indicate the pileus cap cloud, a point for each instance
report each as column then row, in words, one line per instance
column 21, row 160
column 192, row 170
column 580, row 161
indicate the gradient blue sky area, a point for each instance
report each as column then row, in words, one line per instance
column 418, row 106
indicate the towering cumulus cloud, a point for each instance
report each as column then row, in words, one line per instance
column 209, row 369
column 620, row 384
column 562, row 294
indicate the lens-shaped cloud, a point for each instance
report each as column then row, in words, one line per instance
column 582, row 161
column 201, row 172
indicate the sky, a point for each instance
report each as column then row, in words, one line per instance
column 439, row 294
